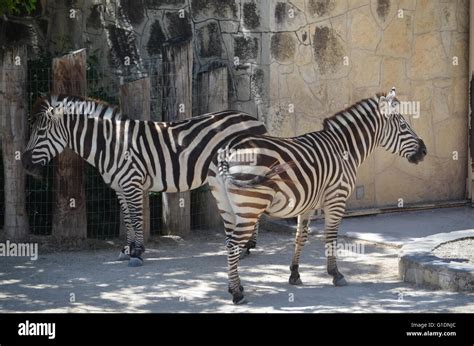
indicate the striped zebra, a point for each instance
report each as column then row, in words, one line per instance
column 132, row 156
column 291, row 177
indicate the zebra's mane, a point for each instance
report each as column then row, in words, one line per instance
column 43, row 103
column 329, row 120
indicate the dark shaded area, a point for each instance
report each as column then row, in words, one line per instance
column 103, row 208
column 257, row 80
column 280, row 12
column 246, row 47
column 94, row 18
column 134, row 10
column 43, row 26
column 122, row 46
column 215, row 8
column 304, row 36
column 282, row 46
column 14, row 33
column 320, row 7
column 157, row 38
column 162, row 3
column 179, row 29
column 251, row 17
column 2, row 194
column 383, row 8
column 328, row 50
column 209, row 40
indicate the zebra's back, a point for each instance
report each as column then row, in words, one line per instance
column 182, row 151
column 313, row 161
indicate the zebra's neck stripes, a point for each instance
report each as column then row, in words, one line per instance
column 357, row 129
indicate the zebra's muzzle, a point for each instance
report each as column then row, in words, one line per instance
column 420, row 154
column 31, row 168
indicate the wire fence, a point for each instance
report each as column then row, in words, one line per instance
column 102, row 206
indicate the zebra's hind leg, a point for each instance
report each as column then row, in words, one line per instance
column 251, row 244
column 300, row 240
column 233, row 256
column 125, row 253
column 333, row 217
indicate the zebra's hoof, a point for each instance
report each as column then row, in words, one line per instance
column 339, row 281
column 237, row 295
column 251, row 244
column 238, row 298
column 123, row 257
column 295, row 281
column 135, row 262
column 244, row 253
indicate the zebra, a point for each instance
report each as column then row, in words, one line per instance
column 292, row 177
column 132, row 156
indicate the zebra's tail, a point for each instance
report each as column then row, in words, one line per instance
column 275, row 169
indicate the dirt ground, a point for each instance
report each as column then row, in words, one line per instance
column 190, row 276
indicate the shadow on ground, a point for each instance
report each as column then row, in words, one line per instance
column 191, row 277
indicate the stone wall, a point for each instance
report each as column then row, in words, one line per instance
column 334, row 53
column 295, row 62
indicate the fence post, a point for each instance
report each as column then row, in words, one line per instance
column 177, row 105
column 213, row 97
column 69, row 214
column 135, row 104
column 13, row 127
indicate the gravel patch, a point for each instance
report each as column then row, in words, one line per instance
column 460, row 250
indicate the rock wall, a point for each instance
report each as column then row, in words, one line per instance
column 295, row 62
column 333, row 53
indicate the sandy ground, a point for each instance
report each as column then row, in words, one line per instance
column 190, row 276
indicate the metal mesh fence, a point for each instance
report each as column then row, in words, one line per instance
column 102, row 206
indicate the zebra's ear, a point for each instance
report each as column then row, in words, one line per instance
column 384, row 106
column 54, row 112
column 391, row 95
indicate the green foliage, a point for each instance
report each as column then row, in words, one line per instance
column 16, row 7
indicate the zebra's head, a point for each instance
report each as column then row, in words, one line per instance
column 48, row 136
column 398, row 136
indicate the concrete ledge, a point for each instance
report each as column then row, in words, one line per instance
column 417, row 264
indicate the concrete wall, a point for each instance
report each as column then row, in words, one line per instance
column 319, row 56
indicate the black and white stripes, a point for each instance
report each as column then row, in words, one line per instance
column 294, row 176
column 132, row 156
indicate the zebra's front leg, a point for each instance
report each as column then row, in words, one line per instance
column 300, row 240
column 135, row 206
column 333, row 217
column 125, row 253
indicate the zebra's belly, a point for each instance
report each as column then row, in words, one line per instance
column 283, row 206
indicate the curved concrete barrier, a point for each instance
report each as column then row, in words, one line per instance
column 418, row 264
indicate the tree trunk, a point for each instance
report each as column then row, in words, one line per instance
column 213, row 97
column 69, row 215
column 135, row 103
column 177, row 105
column 13, row 125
